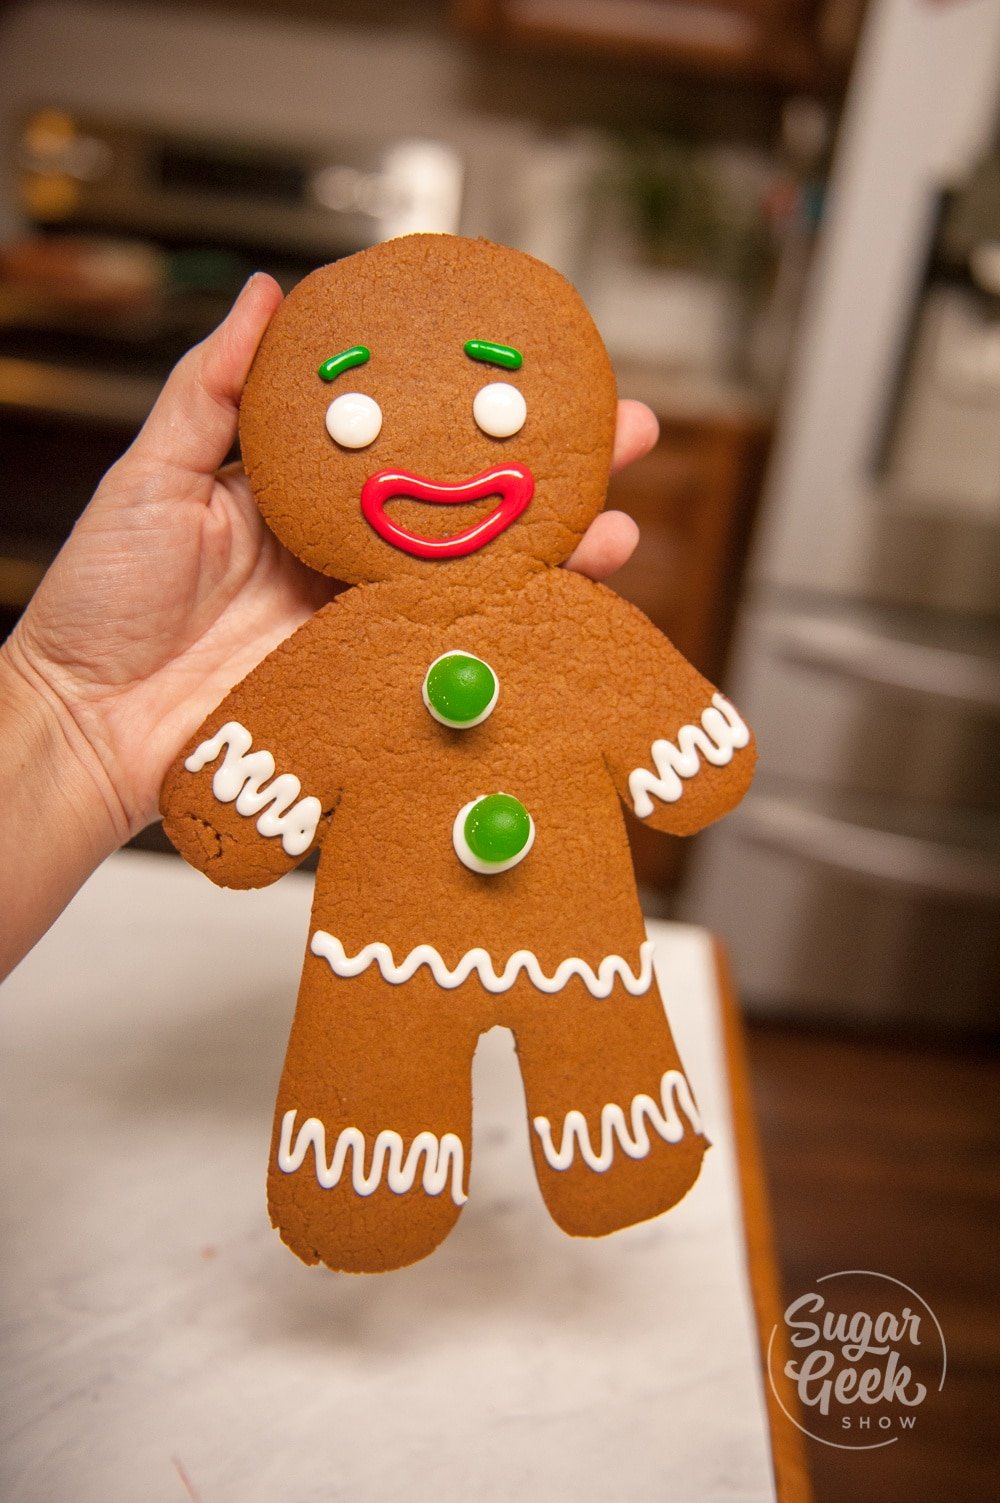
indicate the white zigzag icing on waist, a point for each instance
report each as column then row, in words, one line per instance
column 443, row 1158
column 241, row 779
column 599, row 983
column 720, row 734
column 632, row 1132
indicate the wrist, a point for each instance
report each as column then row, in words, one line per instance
column 58, row 821
column 48, row 764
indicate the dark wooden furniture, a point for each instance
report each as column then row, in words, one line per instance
column 788, row 1451
column 791, row 43
column 882, row 1152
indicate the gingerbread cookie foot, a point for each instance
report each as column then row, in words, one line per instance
column 369, row 1157
column 616, row 1134
column 602, row 1171
column 363, row 1202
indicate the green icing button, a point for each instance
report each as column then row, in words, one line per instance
column 497, row 828
column 460, row 690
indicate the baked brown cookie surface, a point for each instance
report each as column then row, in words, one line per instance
column 414, row 304
column 459, row 733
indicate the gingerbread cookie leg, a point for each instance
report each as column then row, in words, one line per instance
column 370, row 1153
column 615, row 1131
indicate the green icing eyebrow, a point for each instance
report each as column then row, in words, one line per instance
column 358, row 354
column 494, row 354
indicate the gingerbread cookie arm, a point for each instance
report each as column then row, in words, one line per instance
column 680, row 753
column 246, row 801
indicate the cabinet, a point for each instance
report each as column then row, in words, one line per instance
column 793, row 43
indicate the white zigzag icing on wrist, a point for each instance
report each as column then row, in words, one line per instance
column 661, row 1115
column 241, row 779
column 443, row 1157
column 720, row 734
column 599, row 983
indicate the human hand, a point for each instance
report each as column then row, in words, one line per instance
column 171, row 588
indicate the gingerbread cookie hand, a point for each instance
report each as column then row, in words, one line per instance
column 680, row 753
column 248, row 797
column 432, row 421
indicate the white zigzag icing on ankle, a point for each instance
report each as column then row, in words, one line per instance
column 599, row 983
column 443, row 1157
column 661, row 1115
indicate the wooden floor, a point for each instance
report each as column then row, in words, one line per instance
column 884, row 1155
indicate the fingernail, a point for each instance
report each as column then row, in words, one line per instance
column 246, row 287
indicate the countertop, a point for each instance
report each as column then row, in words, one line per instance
column 161, row 1343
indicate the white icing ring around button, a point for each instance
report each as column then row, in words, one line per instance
column 460, row 725
column 469, row 858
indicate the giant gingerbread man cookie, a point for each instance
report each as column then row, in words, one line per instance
column 432, row 421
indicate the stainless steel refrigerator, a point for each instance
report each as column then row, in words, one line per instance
column 861, row 877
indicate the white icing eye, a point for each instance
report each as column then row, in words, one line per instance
column 353, row 420
column 499, row 409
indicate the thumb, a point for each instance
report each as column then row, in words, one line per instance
column 193, row 423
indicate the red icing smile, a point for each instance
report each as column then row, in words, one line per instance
column 514, row 483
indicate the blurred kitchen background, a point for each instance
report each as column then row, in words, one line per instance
column 785, row 216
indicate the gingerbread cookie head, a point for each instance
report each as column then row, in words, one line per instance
column 431, row 404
